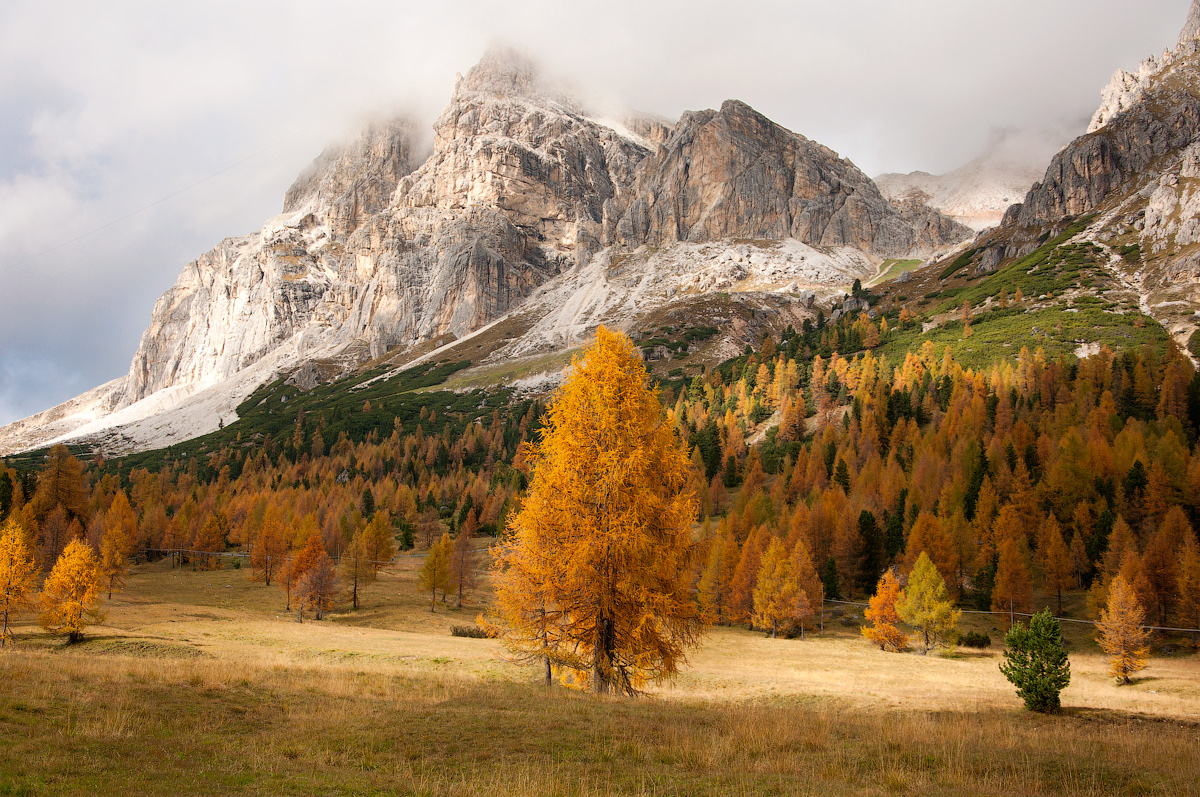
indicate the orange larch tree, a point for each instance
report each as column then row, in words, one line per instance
column 603, row 542
column 1122, row 635
column 881, row 612
column 71, row 594
column 269, row 552
column 18, row 575
column 1056, row 561
column 1013, row 591
column 775, row 591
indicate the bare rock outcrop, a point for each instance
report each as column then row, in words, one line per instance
column 735, row 173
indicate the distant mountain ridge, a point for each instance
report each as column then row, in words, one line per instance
column 977, row 193
column 376, row 255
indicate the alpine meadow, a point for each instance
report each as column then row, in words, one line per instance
column 572, row 453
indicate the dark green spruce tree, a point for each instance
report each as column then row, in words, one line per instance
column 1035, row 660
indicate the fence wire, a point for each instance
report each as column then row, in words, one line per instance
column 1027, row 614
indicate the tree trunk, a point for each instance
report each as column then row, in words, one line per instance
column 602, row 663
column 433, row 601
column 549, row 674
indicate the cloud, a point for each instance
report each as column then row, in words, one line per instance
column 106, row 109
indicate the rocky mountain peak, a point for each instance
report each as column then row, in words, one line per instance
column 506, row 73
column 1191, row 28
column 349, row 182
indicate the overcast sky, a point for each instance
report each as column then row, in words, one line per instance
column 134, row 136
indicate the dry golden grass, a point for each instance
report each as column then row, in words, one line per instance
column 199, row 683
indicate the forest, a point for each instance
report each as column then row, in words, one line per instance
column 1032, row 474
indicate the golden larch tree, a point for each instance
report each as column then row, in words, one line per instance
column 71, row 594
column 113, row 565
column 881, row 612
column 713, row 591
column 1189, row 582
column 810, row 592
column 318, row 587
column 602, row 544
column 925, row 605
column 269, row 551
column 435, row 571
column 775, row 591
column 356, row 565
column 61, row 483
column 1122, row 633
column 379, row 540
column 1056, row 562
column 18, row 575
column 1013, row 591
column 462, row 557
column 293, row 571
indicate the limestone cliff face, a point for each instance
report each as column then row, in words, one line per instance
column 374, row 251
column 735, row 173
column 294, row 278
column 1157, row 123
column 1191, row 27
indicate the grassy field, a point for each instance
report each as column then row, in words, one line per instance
column 890, row 269
column 199, row 683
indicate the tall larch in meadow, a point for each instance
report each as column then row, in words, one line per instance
column 810, row 591
column 1188, row 585
column 435, row 570
column 18, row 576
column 356, row 566
column 462, row 558
column 1013, row 590
column 604, row 537
column 269, row 551
column 775, row 591
column 1122, row 633
column 1056, row 561
column 318, row 588
column 881, row 613
column 71, row 594
column 926, row 606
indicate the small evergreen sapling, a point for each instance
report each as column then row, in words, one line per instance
column 1035, row 660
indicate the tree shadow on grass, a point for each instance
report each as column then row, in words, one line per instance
column 1110, row 716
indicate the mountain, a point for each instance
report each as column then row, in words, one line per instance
column 977, row 193
column 531, row 221
column 1120, row 202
